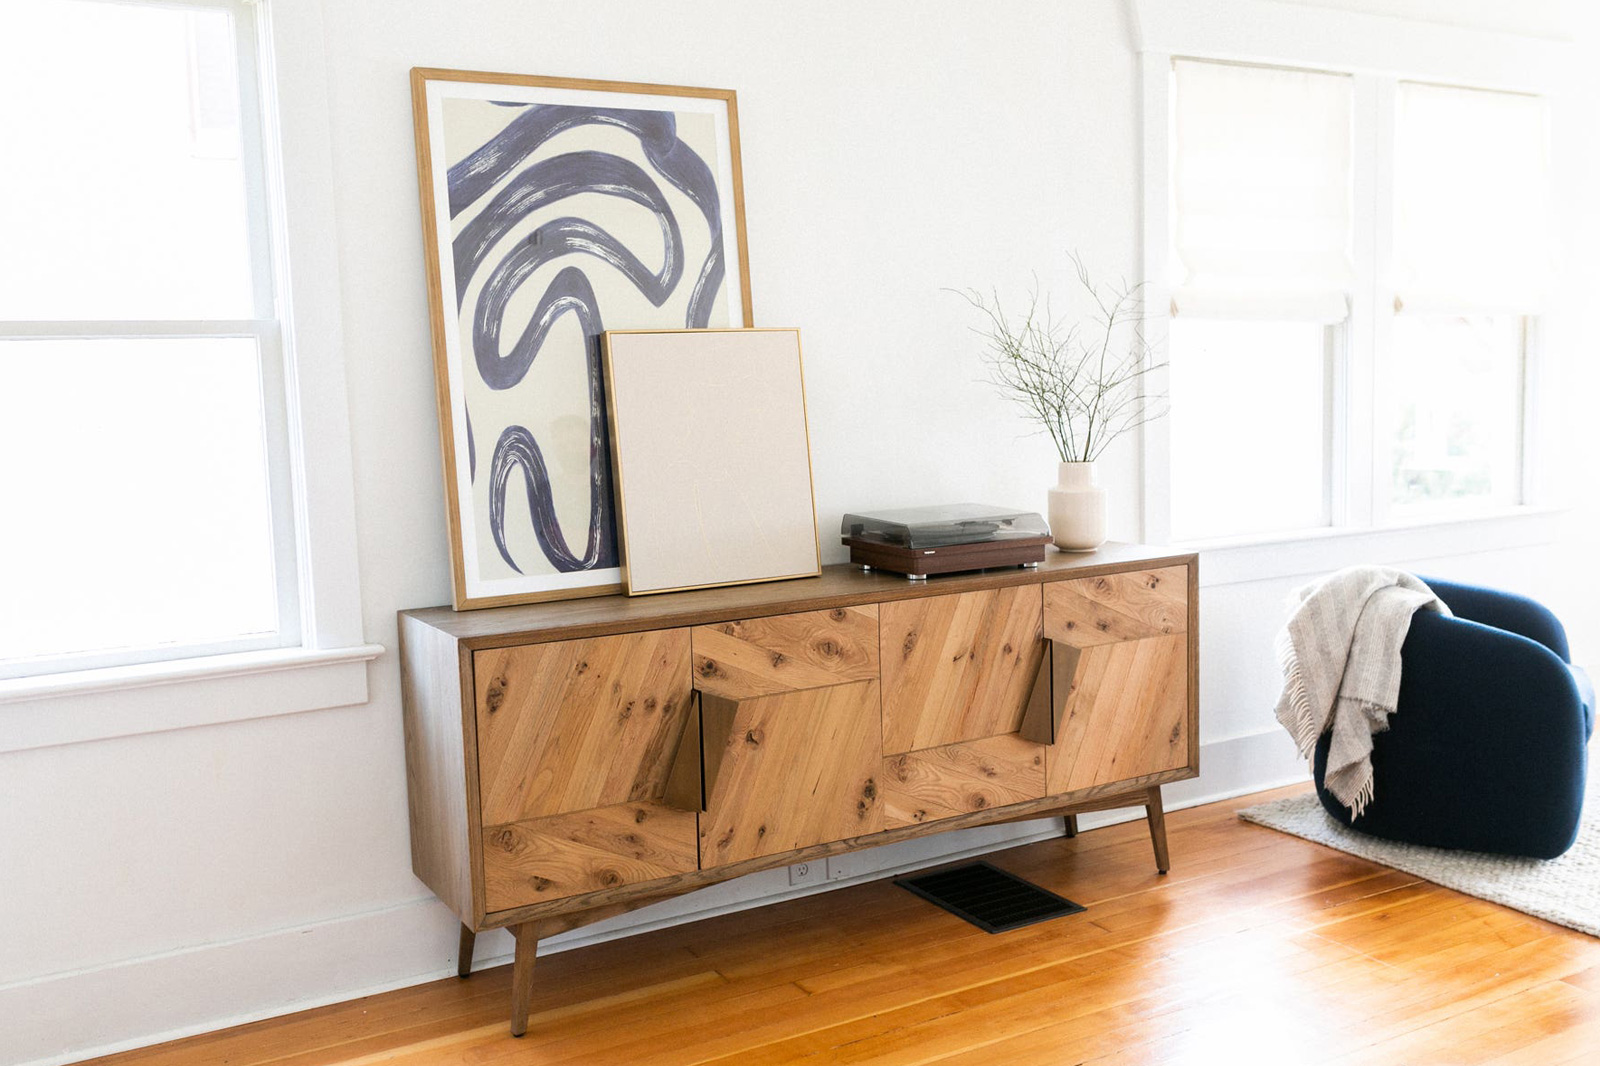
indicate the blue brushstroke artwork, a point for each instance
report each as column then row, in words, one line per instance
column 498, row 186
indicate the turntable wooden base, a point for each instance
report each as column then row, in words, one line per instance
column 916, row 563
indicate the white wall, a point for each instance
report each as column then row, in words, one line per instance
column 184, row 880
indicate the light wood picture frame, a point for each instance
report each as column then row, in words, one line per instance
column 552, row 209
column 713, row 457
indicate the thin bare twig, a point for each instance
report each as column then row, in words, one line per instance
column 1082, row 386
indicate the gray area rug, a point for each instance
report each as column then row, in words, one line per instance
column 1564, row 890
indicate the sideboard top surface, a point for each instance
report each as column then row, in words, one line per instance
column 838, row 586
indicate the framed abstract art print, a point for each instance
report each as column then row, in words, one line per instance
column 554, row 209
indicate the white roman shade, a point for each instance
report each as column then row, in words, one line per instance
column 1261, row 168
column 1472, row 201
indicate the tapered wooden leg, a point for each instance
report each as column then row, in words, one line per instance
column 1158, row 827
column 1072, row 824
column 464, row 952
column 527, row 935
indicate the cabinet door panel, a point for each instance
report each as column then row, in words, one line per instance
column 795, row 769
column 958, row 668
column 1127, row 714
column 569, row 854
column 578, row 724
column 784, row 653
column 925, row 786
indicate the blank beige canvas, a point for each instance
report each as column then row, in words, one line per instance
column 713, row 465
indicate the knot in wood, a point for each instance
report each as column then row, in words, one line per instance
column 828, row 649
column 496, row 695
column 640, row 815
column 754, row 737
column 778, row 658
column 708, row 668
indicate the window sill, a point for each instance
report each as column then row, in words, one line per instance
column 70, row 708
column 1299, row 553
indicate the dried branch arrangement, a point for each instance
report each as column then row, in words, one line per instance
column 1083, row 383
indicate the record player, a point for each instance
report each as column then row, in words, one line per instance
column 919, row 541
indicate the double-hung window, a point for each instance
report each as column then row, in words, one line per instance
column 144, row 456
column 1355, row 266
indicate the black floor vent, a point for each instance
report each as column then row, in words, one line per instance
column 988, row 897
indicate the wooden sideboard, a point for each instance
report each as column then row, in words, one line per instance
column 570, row 761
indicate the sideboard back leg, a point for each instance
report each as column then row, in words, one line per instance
column 527, row 935
column 1158, row 827
column 464, row 952
column 1072, row 825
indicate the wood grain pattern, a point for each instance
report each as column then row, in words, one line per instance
column 978, row 775
column 629, row 897
column 570, row 854
column 436, row 737
column 1267, row 949
column 958, row 668
column 785, row 653
column 838, row 586
column 797, row 769
column 1117, row 607
column 1126, row 715
column 579, row 724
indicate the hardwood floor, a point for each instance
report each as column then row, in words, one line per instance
column 1257, row 948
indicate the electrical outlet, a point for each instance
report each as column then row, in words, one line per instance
column 806, row 873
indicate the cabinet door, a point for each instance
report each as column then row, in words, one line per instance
column 958, row 668
column 1127, row 710
column 789, row 770
column 957, row 673
column 575, row 740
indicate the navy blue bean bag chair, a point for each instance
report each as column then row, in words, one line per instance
column 1486, row 750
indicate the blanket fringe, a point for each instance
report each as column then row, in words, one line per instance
column 1307, row 729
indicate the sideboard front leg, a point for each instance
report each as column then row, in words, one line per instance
column 1158, row 827
column 464, row 952
column 527, row 935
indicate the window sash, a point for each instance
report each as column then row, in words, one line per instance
column 265, row 229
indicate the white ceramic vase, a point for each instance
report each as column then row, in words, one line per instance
column 1077, row 509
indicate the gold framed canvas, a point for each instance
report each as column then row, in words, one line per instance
column 552, row 209
column 712, row 457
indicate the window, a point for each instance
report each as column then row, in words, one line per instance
column 1355, row 266
column 143, row 416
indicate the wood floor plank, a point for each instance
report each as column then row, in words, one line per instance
column 1258, row 946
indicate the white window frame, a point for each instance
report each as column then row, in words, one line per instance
column 1378, row 52
column 320, row 661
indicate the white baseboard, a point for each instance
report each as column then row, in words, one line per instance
column 66, row 1017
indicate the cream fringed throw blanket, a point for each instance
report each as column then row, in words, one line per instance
column 1340, row 653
